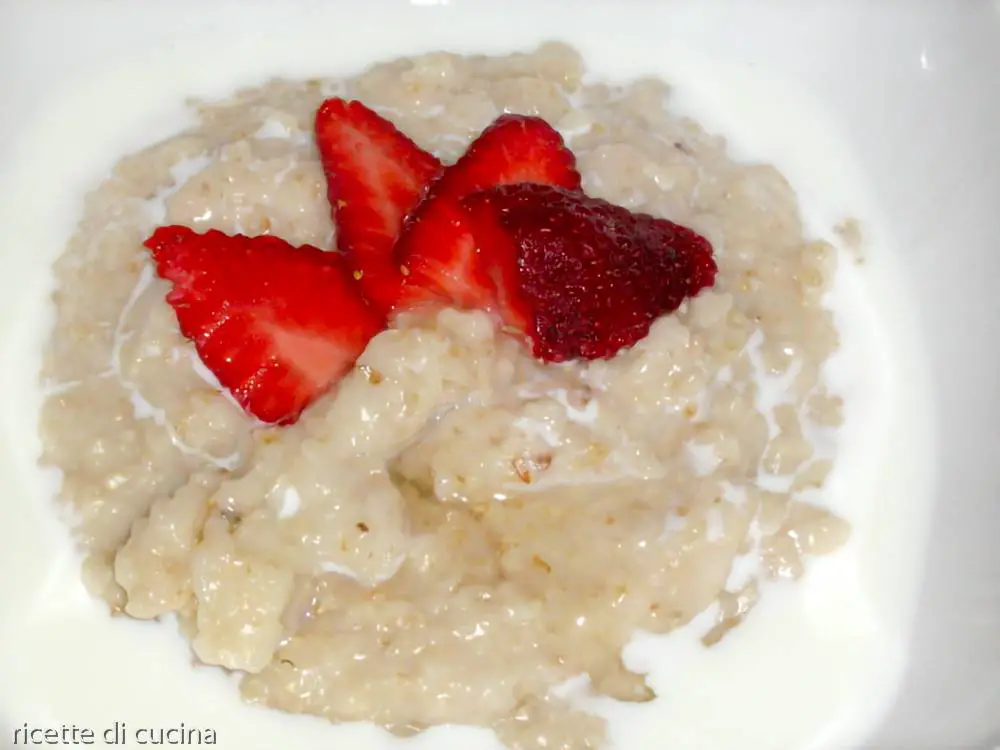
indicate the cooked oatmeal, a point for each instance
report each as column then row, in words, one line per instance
column 457, row 529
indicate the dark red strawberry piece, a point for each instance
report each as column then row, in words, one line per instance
column 375, row 177
column 436, row 248
column 277, row 325
column 581, row 277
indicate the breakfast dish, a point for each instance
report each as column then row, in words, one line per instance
column 414, row 395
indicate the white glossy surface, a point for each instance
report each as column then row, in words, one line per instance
column 913, row 99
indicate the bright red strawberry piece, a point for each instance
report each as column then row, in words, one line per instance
column 375, row 176
column 436, row 247
column 277, row 325
column 581, row 277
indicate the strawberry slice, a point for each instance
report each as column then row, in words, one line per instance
column 277, row 325
column 375, row 176
column 436, row 248
column 580, row 277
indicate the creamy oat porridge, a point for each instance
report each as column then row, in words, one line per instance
column 457, row 528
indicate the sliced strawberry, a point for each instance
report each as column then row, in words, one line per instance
column 436, row 248
column 375, row 176
column 578, row 276
column 277, row 325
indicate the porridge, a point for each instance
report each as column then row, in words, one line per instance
column 457, row 528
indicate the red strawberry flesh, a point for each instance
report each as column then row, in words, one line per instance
column 436, row 247
column 581, row 277
column 277, row 325
column 375, row 176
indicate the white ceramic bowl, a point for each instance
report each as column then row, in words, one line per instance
column 910, row 89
